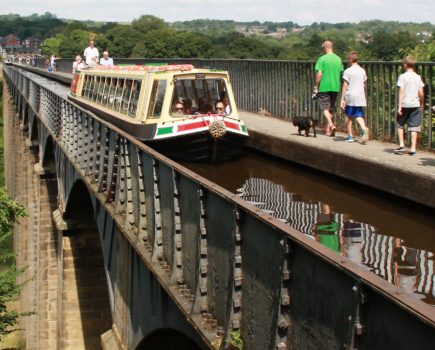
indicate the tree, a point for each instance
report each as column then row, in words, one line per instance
column 145, row 24
column 386, row 45
column 51, row 46
column 73, row 43
column 10, row 211
column 121, row 40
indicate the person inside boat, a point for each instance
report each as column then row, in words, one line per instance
column 220, row 108
column 225, row 100
column 204, row 105
column 187, row 103
column 178, row 109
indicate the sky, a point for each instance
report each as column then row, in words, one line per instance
column 300, row 11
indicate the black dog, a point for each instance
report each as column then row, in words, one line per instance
column 305, row 123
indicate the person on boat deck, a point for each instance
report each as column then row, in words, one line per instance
column 204, row 105
column 78, row 64
column 187, row 102
column 91, row 54
column 178, row 109
column 220, row 108
column 225, row 100
column 106, row 60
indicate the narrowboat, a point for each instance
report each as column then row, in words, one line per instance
column 183, row 112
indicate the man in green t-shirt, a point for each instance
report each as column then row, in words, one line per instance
column 328, row 69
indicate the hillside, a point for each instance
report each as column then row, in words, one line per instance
column 149, row 36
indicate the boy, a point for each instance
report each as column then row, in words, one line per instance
column 353, row 97
column 410, row 105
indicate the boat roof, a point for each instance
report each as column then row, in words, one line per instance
column 166, row 68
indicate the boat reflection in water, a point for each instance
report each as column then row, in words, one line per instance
column 380, row 234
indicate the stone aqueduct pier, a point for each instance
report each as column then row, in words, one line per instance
column 127, row 249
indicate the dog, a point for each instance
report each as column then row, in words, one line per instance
column 264, row 112
column 305, row 123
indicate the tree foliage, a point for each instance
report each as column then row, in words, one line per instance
column 149, row 36
column 10, row 211
column 39, row 26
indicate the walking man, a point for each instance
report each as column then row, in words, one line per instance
column 328, row 69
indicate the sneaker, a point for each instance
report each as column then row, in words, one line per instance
column 400, row 150
column 365, row 136
column 349, row 139
column 412, row 153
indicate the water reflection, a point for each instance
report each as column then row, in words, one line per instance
column 392, row 240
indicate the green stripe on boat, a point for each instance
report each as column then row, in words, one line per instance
column 164, row 130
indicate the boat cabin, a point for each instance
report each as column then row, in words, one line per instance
column 149, row 94
column 156, row 102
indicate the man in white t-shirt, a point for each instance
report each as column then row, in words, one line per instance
column 353, row 97
column 411, row 98
column 91, row 54
column 106, row 60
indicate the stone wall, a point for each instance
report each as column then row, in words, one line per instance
column 64, row 279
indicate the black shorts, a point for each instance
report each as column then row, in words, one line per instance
column 327, row 100
column 410, row 116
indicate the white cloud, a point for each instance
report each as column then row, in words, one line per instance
column 302, row 12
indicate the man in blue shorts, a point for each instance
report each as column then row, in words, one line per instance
column 353, row 97
column 328, row 69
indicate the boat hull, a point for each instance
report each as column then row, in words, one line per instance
column 195, row 144
column 200, row 147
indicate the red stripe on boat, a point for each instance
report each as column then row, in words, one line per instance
column 232, row 125
column 190, row 126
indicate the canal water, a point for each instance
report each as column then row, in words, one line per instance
column 393, row 238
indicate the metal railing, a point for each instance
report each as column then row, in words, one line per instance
column 228, row 265
column 284, row 88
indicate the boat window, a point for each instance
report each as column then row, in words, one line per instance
column 90, row 86
column 156, row 100
column 134, row 98
column 112, row 92
column 126, row 93
column 200, row 95
column 101, row 97
column 119, row 94
column 86, row 85
column 95, row 89
column 106, row 92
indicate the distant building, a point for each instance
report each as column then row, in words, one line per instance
column 257, row 29
column 241, row 28
column 11, row 45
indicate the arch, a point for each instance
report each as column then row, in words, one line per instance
column 86, row 312
column 167, row 338
column 48, row 159
column 79, row 206
column 34, row 130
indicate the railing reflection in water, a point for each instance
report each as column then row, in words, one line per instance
column 386, row 256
